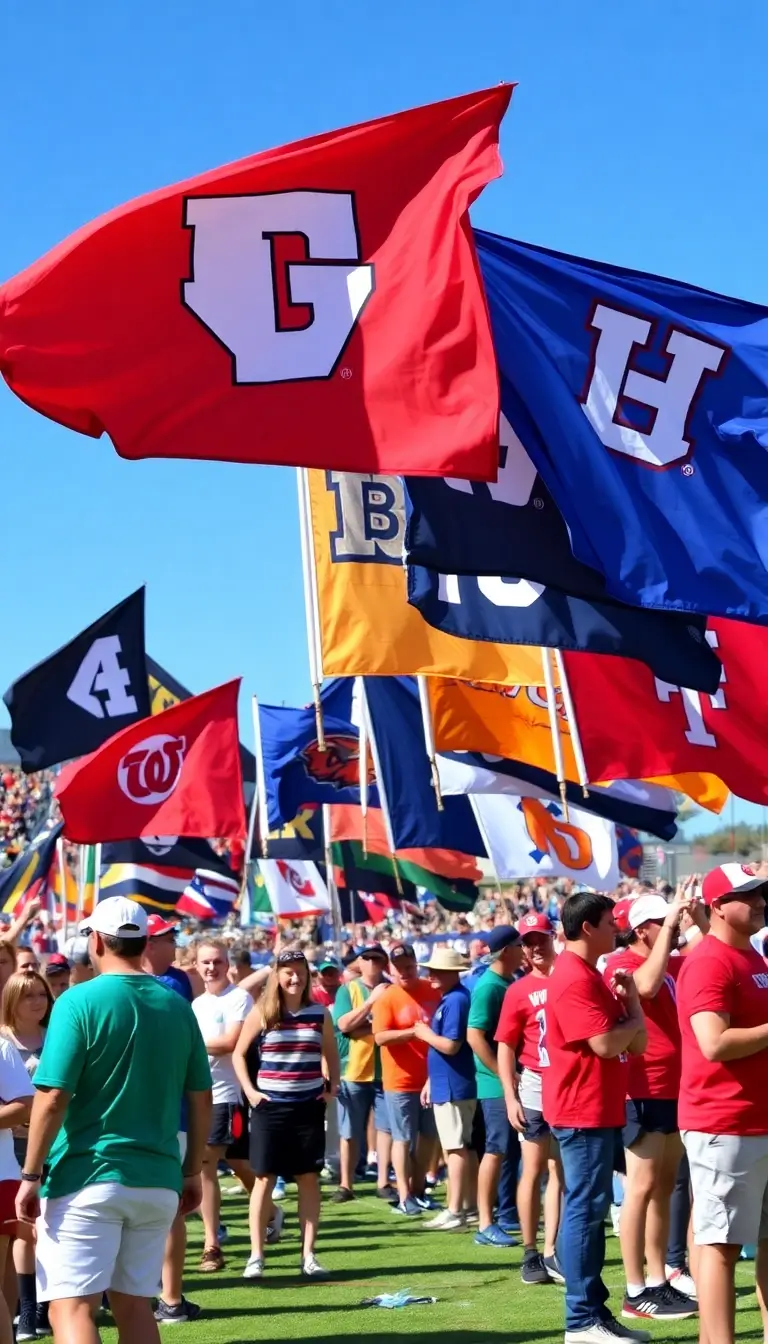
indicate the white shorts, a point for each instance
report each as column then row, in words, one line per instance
column 454, row 1124
column 105, row 1236
column 729, row 1180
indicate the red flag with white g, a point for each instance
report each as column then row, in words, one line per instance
column 177, row 773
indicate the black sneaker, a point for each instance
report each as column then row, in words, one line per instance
column 27, row 1326
column 179, row 1315
column 554, row 1268
column 533, row 1269
column 387, row 1192
column 42, row 1324
column 663, row 1304
column 342, row 1195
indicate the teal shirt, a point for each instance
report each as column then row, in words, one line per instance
column 127, row 1050
column 484, row 1013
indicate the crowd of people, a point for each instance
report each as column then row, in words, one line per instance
column 24, row 800
column 588, row 1058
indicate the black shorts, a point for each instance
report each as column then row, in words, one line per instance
column 228, row 1124
column 288, row 1138
column 536, row 1126
column 652, row 1116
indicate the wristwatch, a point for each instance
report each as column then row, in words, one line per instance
column 33, row 1176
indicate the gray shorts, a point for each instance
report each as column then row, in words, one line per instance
column 729, row 1179
column 408, row 1118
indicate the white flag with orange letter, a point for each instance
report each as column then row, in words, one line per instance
column 530, row 837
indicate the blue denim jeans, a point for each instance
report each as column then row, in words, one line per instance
column 502, row 1139
column 587, row 1158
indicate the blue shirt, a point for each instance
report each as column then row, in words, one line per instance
column 180, row 983
column 452, row 1077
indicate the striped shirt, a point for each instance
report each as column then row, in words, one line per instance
column 292, row 1056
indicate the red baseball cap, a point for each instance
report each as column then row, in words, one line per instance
column 536, row 922
column 157, row 925
column 621, row 912
column 729, row 877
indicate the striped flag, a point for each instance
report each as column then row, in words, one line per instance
column 209, row 896
column 27, row 876
column 157, row 889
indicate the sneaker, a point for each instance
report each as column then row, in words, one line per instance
column 255, row 1267
column 42, row 1324
column 663, row 1304
column 471, row 1217
column 279, row 1190
column 275, row 1228
column 554, row 1268
column 445, row 1222
column 618, row 1331
column 342, row 1195
column 681, row 1280
column 387, row 1192
column 493, row 1236
column 181, row 1314
column 312, row 1269
column 615, row 1218
column 212, row 1260
column 603, row 1332
column 408, row 1208
column 27, row 1326
column 330, row 1173
column 427, row 1203
column 371, row 1171
column 533, row 1269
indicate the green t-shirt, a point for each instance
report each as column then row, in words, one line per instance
column 127, row 1051
column 360, row 1058
column 484, row 1013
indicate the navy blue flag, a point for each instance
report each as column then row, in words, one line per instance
column 650, row 398
column 166, row 851
column 296, row 771
column 405, row 775
column 84, row 693
column 27, row 872
column 300, row 838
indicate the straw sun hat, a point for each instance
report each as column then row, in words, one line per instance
column 445, row 959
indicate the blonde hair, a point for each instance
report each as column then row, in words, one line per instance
column 272, row 1003
column 217, row 943
column 13, row 993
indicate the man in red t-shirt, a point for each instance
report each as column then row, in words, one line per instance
column 651, row 1137
column 722, row 999
column 589, row 1029
column 522, row 1040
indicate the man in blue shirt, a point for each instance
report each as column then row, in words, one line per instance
column 451, row 1087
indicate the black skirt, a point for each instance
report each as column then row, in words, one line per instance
column 288, row 1138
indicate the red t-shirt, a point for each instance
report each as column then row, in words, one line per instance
column 523, row 1021
column 656, row 1073
column 723, row 1098
column 580, row 1088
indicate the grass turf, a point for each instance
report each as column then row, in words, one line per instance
column 369, row 1250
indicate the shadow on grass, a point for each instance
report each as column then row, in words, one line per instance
column 475, row 1335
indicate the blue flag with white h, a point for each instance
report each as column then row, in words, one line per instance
column 650, row 401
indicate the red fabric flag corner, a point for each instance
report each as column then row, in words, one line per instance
column 177, row 773
column 318, row 305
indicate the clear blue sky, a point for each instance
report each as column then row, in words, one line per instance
column 637, row 135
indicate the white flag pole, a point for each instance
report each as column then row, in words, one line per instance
column 429, row 738
column 254, row 806
column 260, row 796
column 554, row 728
column 363, row 769
column 570, row 711
column 311, row 604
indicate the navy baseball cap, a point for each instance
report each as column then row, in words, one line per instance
column 502, row 936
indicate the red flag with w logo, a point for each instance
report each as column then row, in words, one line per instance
column 177, row 773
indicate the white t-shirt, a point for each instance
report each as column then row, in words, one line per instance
column 216, row 1014
column 14, row 1084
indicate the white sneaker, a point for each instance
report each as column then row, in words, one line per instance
column 275, row 1228
column 312, row 1269
column 615, row 1218
column 682, row 1281
column 606, row 1332
column 255, row 1268
column 444, row 1221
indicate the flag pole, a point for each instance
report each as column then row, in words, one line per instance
column 260, row 796
column 554, row 728
column 254, row 806
column 565, row 687
column 311, row 603
column 363, row 773
column 63, row 875
column 383, row 804
column 96, row 873
column 330, row 880
column 486, row 842
column 81, row 883
column 429, row 738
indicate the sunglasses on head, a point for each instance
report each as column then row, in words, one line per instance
column 289, row 958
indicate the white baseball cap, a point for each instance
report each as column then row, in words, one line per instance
column 645, row 909
column 117, row 917
column 729, row 877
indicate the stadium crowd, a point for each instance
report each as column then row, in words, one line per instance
column 23, row 800
column 555, row 1052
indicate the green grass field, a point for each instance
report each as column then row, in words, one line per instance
column 369, row 1251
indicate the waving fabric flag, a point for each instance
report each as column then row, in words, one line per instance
column 633, row 724
column 155, row 871
column 166, row 690
column 473, row 551
column 347, row 824
column 85, row 692
column 209, row 896
column 529, row 838
column 176, row 773
column 294, row 888
column 366, row 624
column 300, row 838
column 651, row 397
column 512, row 722
column 262, row 312
column 28, row 874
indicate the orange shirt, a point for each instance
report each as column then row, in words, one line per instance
column 404, row 1065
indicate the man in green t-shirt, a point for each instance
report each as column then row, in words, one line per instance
column 119, row 1055
column 500, row 1139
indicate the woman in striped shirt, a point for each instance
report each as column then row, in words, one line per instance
column 288, row 1066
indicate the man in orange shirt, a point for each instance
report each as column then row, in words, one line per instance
column 404, row 1073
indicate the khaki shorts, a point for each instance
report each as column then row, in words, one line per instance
column 454, row 1124
column 729, row 1179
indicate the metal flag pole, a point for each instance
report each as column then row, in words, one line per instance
column 330, row 880
column 63, row 871
column 383, row 803
column 311, row 606
column 363, row 771
column 254, row 806
column 260, row 796
column 581, row 767
column 554, row 728
column 429, row 738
